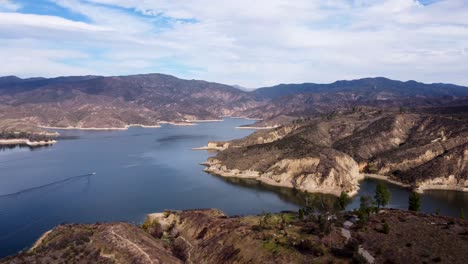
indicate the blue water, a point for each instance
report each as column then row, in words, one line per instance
column 139, row 171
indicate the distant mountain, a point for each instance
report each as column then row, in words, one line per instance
column 148, row 99
column 96, row 101
column 375, row 88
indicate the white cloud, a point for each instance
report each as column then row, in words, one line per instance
column 37, row 22
column 7, row 5
column 252, row 43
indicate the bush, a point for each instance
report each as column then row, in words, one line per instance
column 372, row 167
column 386, row 228
column 153, row 227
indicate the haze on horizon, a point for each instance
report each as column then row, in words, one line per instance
column 248, row 43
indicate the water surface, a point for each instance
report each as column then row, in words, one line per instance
column 140, row 171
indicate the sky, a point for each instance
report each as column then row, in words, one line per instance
column 251, row 43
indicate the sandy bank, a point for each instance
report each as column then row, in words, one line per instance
column 441, row 183
column 387, row 179
column 244, row 117
column 39, row 241
column 256, row 128
column 428, row 187
column 177, row 123
column 101, row 128
column 204, row 148
column 205, row 121
column 24, row 141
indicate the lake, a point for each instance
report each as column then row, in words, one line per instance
column 141, row 171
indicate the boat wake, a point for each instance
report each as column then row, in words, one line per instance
column 47, row 185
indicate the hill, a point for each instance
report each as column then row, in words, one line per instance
column 209, row 236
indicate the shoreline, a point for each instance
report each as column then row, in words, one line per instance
column 39, row 241
column 243, row 117
column 257, row 176
column 25, row 141
column 387, row 179
column 419, row 189
column 205, row 121
column 177, row 123
column 205, row 148
column 100, row 128
column 158, row 125
column 256, row 128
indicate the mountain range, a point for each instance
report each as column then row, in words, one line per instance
column 119, row 101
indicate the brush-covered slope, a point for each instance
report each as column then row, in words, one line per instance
column 209, row 236
column 331, row 153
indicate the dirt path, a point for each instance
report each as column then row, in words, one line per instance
column 127, row 241
column 190, row 250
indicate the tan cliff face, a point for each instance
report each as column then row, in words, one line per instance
column 327, row 155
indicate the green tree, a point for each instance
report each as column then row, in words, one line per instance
column 462, row 213
column 414, row 201
column 367, row 205
column 343, row 200
column 382, row 195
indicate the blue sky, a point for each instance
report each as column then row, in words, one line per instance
column 250, row 43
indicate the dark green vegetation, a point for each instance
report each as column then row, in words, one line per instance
column 26, row 135
column 414, row 202
column 382, row 195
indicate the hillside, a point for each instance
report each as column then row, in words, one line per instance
column 332, row 153
column 94, row 101
column 209, row 236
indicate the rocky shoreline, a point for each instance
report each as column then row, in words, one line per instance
column 330, row 155
column 304, row 182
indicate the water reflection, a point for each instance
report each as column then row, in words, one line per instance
column 447, row 202
column 23, row 147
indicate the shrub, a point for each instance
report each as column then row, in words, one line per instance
column 414, row 202
column 343, row 200
column 386, row 228
column 372, row 167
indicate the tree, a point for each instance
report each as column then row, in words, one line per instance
column 414, row 202
column 343, row 200
column 462, row 213
column 367, row 205
column 382, row 195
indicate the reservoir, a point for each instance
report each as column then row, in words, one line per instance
column 102, row 176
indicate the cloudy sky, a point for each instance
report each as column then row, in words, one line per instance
column 251, row 43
